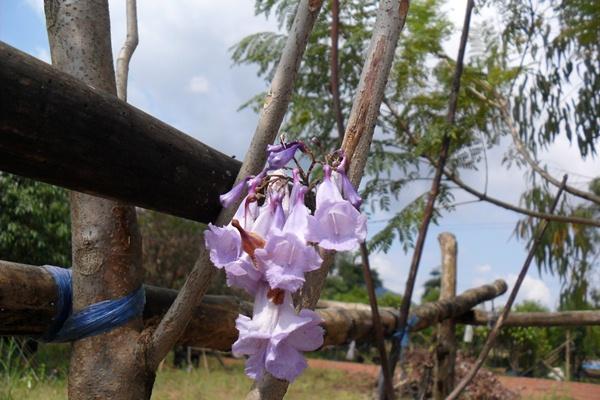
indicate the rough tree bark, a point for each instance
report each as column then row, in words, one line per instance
column 105, row 236
column 445, row 352
column 391, row 17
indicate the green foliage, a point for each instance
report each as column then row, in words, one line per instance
column 170, row 249
column 346, row 281
column 432, row 286
column 571, row 251
column 414, row 122
column 389, row 299
column 558, row 92
column 542, row 59
column 34, row 222
column 15, row 368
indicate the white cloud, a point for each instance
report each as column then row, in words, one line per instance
column 483, row 269
column 531, row 289
column 199, row 84
column 391, row 275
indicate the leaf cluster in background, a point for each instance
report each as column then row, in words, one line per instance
column 35, row 223
column 413, row 121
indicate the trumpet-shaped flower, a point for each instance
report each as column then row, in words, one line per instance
column 225, row 244
column 337, row 224
column 281, row 154
column 275, row 337
column 287, row 256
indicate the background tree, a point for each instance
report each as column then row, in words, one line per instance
column 513, row 69
column 431, row 287
column 170, row 248
column 34, row 222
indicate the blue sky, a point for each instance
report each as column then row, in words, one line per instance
column 182, row 74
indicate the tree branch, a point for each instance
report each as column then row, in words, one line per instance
column 127, row 50
column 379, row 339
column 511, row 299
column 435, row 188
column 524, row 152
column 390, row 20
column 335, row 82
column 508, row 206
column 452, row 176
column 176, row 319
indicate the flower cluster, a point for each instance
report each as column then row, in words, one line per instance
column 271, row 243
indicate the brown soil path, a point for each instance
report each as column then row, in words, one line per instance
column 529, row 388
column 533, row 388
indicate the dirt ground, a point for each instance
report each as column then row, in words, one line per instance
column 528, row 388
column 532, row 388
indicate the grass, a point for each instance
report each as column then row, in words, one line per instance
column 176, row 384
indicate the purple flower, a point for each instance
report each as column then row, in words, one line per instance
column 275, row 337
column 328, row 190
column 281, row 154
column 243, row 274
column 230, row 197
column 287, row 256
column 285, row 259
column 336, row 225
column 345, row 185
column 225, row 244
column 270, row 216
column 348, row 190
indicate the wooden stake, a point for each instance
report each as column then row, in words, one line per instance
column 445, row 353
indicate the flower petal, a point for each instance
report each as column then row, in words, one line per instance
column 327, row 190
column 224, row 244
column 285, row 259
column 284, row 362
column 308, row 337
column 337, row 226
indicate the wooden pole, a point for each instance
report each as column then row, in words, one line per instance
column 539, row 319
column 28, row 297
column 56, row 129
column 568, row 357
column 445, row 352
column 489, row 344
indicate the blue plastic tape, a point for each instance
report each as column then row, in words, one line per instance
column 402, row 334
column 94, row 319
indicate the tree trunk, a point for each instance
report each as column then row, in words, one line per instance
column 445, row 353
column 105, row 236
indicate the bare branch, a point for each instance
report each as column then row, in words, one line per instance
column 379, row 339
column 508, row 206
column 433, row 193
column 127, row 50
column 176, row 319
column 534, row 164
column 357, row 140
column 335, row 81
column 482, row 196
column 365, row 108
column 511, row 299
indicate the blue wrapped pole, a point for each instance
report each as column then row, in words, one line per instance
column 94, row 319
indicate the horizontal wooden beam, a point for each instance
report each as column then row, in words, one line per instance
column 540, row 319
column 56, row 129
column 28, row 294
